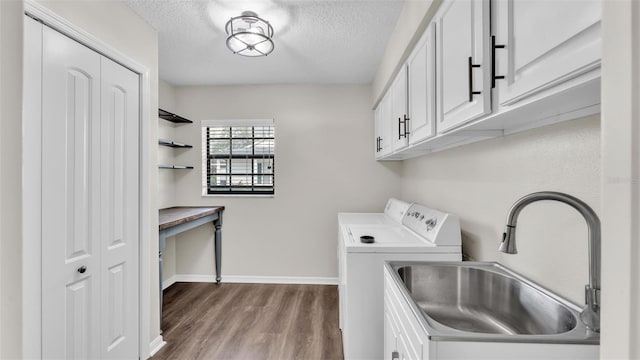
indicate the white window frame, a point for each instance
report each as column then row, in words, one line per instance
column 232, row 123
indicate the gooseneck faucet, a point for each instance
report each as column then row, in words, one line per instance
column 590, row 314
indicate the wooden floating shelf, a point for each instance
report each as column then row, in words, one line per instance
column 163, row 114
column 173, row 144
column 175, row 167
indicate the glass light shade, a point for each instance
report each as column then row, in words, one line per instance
column 249, row 35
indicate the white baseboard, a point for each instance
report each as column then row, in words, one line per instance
column 170, row 281
column 156, row 345
column 280, row 280
column 251, row 279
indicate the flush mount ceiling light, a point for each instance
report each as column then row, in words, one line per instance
column 249, row 35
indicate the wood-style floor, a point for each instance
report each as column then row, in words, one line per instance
column 250, row 321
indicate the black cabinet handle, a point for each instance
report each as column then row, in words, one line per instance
column 471, row 92
column 494, row 77
column 401, row 123
column 406, row 132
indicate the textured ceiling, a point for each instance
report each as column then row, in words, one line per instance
column 316, row 41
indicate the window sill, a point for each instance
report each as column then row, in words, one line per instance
column 237, row 196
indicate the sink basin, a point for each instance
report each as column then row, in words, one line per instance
column 487, row 302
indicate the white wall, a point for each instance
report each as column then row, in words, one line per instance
column 324, row 164
column 118, row 26
column 10, row 179
column 166, row 178
column 166, row 155
column 480, row 182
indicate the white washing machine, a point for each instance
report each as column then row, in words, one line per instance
column 365, row 242
column 393, row 213
column 392, row 216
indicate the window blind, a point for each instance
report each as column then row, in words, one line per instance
column 240, row 157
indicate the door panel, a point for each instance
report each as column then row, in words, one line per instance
column 70, row 206
column 119, row 198
column 456, row 27
column 116, row 306
column 377, row 124
column 422, row 90
column 462, row 34
column 77, row 125
column 398, row 92
column 383, row 124
column 546, row 43
column 78, row 322
column 386, row 125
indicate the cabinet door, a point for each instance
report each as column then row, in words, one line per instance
column 390, row 336
column 377, row 119
column 403, row 349
column 463, row 62
column 383, row 127
column 421, row 84
column 545, row 43
column 399, row 125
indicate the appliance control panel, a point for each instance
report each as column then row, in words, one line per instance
column 396, row 209
column 438, row 227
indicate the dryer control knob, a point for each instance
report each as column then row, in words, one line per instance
column 431, row 223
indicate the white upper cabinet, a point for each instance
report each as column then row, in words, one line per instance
column 399, row 123
column 545, row 43
column 488, row 68
column 382, row 117
column 421, row 68
column 463, row 62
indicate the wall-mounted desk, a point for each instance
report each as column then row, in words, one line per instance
column 175, row 220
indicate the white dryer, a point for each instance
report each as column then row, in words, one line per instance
column 420, row 233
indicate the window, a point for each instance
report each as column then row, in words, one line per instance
column 238, row 157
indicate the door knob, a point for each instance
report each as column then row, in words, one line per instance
column 82, row 269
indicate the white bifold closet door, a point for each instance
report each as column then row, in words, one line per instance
column 90, row 225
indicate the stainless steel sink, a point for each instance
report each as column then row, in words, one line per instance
column 487, row 302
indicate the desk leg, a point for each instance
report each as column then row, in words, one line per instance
column 218, row 247
column 162, row 243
